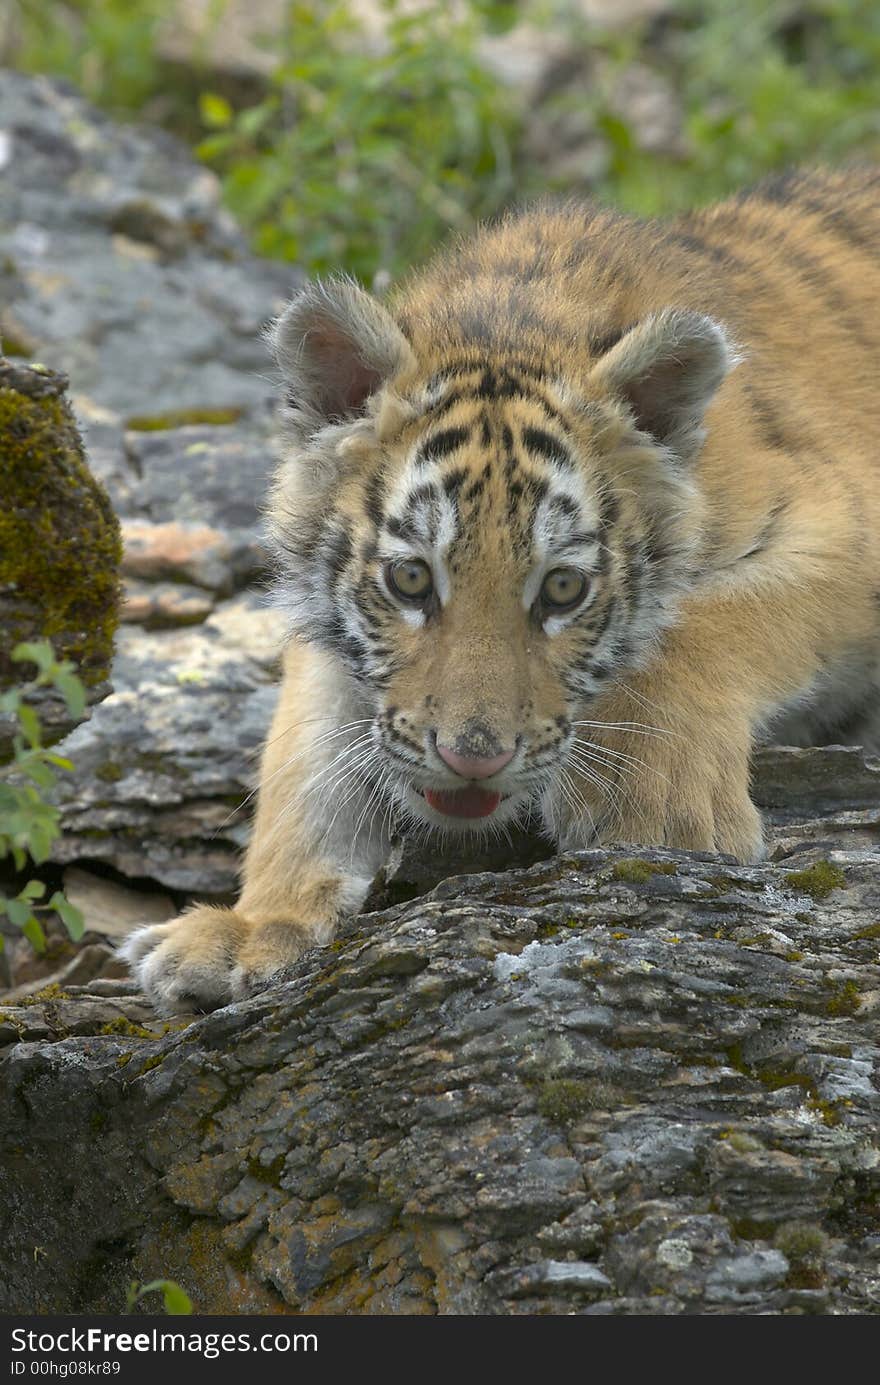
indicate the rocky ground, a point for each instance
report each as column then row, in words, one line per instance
column 607, row 1084
column 118, row 266
column 622, row 1082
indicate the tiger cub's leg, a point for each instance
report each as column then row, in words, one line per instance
column 663, row 757
column 317, row 841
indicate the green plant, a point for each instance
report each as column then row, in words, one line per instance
column 175, row 1299
column 366, row 150
column 28, row 824
column 763, row 84
column 107, row 47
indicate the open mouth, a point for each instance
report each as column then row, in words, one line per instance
column 469, row 802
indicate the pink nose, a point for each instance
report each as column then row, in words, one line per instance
column 476, row 768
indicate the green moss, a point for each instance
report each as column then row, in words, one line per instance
column 121, row 1025
column 750, row 1229
column 829, row 1111
column 60, row 547
column 563, row 1100
column 123, row 1059
column 872, row 931
column 51, row 992
column 109, row 773
column 817, row 880
column 637, row 872
column 804, row 1245
column 743, row 1142
column 151, row 1063
column 267, row 1173
column 182, row 418
column 240, row 1260
column 800, row 1240
column 845, row 1000
column 775, row 1080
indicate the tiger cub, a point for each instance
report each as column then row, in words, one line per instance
column 588, row 508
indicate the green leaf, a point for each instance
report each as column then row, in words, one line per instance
column 216, row 112
column 177, row 1300
column 33, row 931
column 39, row 652
column 34, row 889
column 41, row 839
column 40, row 773
column 19, row 911
column 29, row 723
column 61, row 761
column 73, row 692
column 69, row 914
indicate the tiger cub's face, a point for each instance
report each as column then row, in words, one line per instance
column 485, row 541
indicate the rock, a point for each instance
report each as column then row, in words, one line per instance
column 201, row 475
column 113, row 910
column 582, row 1087
column 90, row 961
column 59, row 538
column 160, row 605
column 120, row 266
column 190, row 552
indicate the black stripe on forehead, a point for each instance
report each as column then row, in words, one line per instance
column 544, row 444
column 495, row 385
column 564, row 506
column 454, row 480
column 524, row 489
column 421, row 514
column 337, row 549
column 433, row 449
column 374, row 495
column 534, row 370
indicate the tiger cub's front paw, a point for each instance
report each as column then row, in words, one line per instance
column 209, row 957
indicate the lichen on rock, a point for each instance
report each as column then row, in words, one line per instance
column 60, row 547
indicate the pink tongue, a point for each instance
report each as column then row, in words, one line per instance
column 472, row 802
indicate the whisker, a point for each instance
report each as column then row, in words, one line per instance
column 629, row 764
column 315, row 778
column 635, row 728
column 329, row 736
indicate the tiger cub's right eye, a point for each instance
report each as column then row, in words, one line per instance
column 410, row 579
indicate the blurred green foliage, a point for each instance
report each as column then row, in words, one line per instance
column 107, row 48
column 362, row 155
column 765, row 84
column 28, row 823
column 176, row 1301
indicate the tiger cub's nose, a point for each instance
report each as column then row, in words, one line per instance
column 474, row 767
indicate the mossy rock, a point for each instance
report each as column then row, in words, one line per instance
column 60, row 546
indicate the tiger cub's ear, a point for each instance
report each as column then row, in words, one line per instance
column 666, row 370
column 336, row 345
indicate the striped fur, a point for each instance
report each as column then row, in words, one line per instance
column 682, row 415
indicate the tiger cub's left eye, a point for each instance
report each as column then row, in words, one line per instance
column 563, row 589
column 410, row 578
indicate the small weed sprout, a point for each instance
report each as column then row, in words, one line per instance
column 29, row 825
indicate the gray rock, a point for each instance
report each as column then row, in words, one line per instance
column 410, row 1125
column 120, row 266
